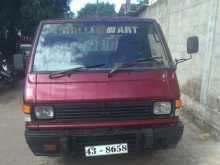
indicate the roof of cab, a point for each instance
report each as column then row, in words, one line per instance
column 99, row 19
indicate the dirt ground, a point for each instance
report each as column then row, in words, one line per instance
column 195, row 148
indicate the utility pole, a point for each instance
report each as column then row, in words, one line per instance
column 127, row 8
column 97, row 8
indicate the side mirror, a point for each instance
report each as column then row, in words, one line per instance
column 18, row 61
column 192, row 45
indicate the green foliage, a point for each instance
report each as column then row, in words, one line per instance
column 102, row 9
column 33, row 11
column 25, row 15
column 143, row 2
column 9, row 19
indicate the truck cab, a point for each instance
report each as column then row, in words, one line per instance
column 101, row 86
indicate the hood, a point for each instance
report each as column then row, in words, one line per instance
column 86, row 87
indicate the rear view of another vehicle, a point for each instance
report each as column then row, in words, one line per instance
column 101, row 87
column 22, row 56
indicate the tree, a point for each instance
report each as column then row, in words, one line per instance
column 102, row 9
column 143, row 2
column 32, row 12
column 24, row 16
column 9, row 18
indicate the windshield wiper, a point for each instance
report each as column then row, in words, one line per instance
column 69, row 72
column 131, row 63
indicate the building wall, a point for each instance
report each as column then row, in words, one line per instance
column 199, row 78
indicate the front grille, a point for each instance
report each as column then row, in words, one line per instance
column 104, row 111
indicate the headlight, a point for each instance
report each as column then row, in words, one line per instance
column 162, row 108
column 27, row 117
column 44, row 112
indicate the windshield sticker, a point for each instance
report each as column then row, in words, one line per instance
column 70, row 29
column 122, row 30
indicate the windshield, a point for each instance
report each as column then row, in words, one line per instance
column 68, row 45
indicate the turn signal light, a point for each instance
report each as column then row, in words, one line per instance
column 26, row 108
column 179, row 104
column 50, row 147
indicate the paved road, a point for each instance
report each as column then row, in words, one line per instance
column 196, row 147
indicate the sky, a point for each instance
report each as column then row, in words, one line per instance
column 76, row 5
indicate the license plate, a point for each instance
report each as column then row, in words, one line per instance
column 111, row 149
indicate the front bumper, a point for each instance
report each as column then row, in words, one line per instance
column 72, row 142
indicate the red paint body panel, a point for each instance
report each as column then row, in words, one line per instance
column 85, row 87
column 30, row 88
column 114, row 124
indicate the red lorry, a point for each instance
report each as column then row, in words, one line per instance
column 101, row 86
